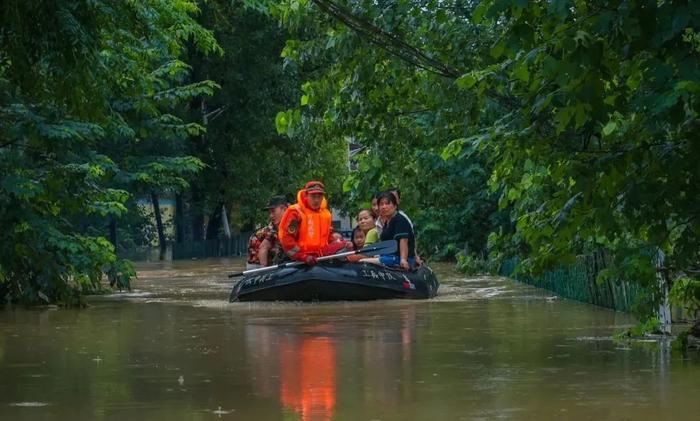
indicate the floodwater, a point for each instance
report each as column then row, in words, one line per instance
column 485, row 348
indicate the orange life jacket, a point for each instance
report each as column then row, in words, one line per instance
column 314, row 229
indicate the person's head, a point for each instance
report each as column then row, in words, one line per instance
column 396, row 192
column 314, row 194
column 365, row 220
column 358, row 238
column 375, row 204
column 387, row 205
column 276, row 207
column 337, row 237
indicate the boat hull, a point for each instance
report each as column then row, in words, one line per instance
column 336, row 282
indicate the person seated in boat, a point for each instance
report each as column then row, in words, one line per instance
column 263, row 246
column 337, row 237
column 366, row 223
column 397, row 228
column 338, row 245
column 380, row 220
column 364, row 234
column 375, row 213
column 397, row 194
column 357, row 238
column 305, row 231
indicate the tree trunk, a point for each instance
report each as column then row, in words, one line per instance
column 199, row 150
column 179, row 219
column 197, row 214
column 664, row 311
column 224, row 222
column 159, row 226
column 214, row 223
column 113, row 231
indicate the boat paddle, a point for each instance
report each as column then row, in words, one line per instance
column 383, row 247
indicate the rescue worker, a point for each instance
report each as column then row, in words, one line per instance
column 263, row 246
column 306, row 227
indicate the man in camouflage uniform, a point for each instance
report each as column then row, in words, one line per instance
column 264, row 248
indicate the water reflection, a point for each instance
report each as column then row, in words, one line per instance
column 300, row 362
column 308, row 374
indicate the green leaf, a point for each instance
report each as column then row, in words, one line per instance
column 609, row 128
column 521, row 72
column 281, row 122
column 466, row 81
column 480, row 11
column 563, row 117
column 688, row 86
column 497, row 50
column 452, row 149
column 560, row 8
column 581, row 115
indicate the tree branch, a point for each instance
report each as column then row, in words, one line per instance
column 392, row 43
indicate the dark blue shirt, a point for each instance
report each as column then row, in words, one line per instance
column 397, row 228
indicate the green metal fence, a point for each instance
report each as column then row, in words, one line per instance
column 237, row 245
column 578, row 282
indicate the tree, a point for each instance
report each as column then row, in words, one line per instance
column 584, row 111
column 82, row 85
column 247, row 161
column 377, row 75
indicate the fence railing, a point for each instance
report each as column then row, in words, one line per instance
column 237, row 245
column 579, row 282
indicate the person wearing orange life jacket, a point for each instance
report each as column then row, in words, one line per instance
column 306, row 227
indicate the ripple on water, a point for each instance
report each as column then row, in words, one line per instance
column 130, row 294
column 29, row 404
column 468, row 291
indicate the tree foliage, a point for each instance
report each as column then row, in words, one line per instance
column 539, row 129
column 366, row 79
column 88, row 91
column 247, row 160
column 584, row 115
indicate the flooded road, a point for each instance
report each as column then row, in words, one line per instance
column 485, row 348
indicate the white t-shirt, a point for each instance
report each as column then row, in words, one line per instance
column 378, row 226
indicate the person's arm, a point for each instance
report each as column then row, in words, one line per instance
column 264, row 252
column 288, row 232
column 403, row 253
column 252, row 248
column 289, row 236
column 419, row 261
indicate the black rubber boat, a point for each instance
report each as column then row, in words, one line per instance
column 336, row 281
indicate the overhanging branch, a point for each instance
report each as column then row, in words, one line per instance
column 392, row 43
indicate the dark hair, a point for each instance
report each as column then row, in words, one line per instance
column 369, row 211
column 389, row 196
column 376, row 195
column 352, row 236
column 396, row 189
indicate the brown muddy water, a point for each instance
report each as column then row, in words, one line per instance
column 485, row 348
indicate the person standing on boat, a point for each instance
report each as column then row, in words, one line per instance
column 306, row 227
column 397, row 228
column 263, row 246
